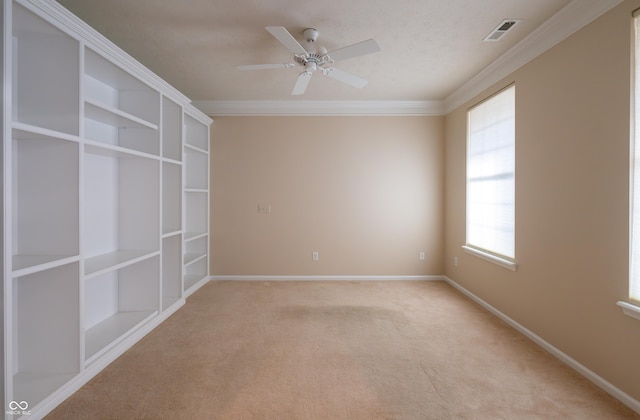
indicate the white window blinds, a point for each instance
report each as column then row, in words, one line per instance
column 634, row 269
column 491, row 175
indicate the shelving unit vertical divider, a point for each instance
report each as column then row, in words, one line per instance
column 160, row 200
column 81, row 187
column 5, row 197
column 160, row 98
column 172, row 223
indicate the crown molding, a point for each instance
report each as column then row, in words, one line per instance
column 320, row 108
column 559, row 27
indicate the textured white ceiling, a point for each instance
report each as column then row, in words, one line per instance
column 429, row 48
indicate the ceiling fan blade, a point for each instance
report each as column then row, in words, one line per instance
column 361, row 48
column 301, row 83
column 282, row 35
column 344, row 77
column 265, row 66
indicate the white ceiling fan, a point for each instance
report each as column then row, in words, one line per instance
column 313, row 58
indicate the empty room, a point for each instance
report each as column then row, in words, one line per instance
column 321, row 210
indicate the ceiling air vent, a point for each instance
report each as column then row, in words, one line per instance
column 501, row 29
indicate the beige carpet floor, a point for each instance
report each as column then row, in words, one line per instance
column 336, row 350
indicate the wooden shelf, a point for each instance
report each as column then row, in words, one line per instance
column 193, row 257
column 194, row 148
column 189, row 236
column 111, row 330
column 113, row 116
column 27, row 264
column 115, row 260
column 22, row 131
column 36, row 386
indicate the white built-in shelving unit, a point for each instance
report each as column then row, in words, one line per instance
column 106, row 202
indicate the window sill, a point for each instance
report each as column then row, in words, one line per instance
column 502, row 262
column 630, row 309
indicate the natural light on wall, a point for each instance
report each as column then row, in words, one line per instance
column 491, row 178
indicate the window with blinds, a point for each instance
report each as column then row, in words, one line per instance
column 491, row 176
column 634, row 254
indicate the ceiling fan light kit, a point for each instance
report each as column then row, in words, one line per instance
column 310, row 34
column 313, row 58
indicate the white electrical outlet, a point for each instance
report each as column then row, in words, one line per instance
column 455, row 261
column 315, row 256
column 421, row 255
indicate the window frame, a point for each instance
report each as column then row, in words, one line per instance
column 506, row 261
column 631, row 307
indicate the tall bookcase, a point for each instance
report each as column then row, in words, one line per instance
column 106, row 195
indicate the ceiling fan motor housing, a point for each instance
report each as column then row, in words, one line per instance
column 318, row 59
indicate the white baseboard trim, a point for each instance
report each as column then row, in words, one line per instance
column 327, row 278
column 599, row 381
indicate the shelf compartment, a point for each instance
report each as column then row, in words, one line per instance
column 106, row 83
column 28, row 264
column 171, row 130
column 196, row 133
column 28, row 131
column 113, row 127
column 196, row 213
column 116, row 303
column 195, row 273
column 118, row 108
column 42, row 97
column 188, row 236
column 113, row 116
column 37, row 386
column 46, row 333
column 171, row 270
column 45, row 205
column 112, row 330
column 121, row 215
column 196, row 169
column 171, row 197
column 195, row 249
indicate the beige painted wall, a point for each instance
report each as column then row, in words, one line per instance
column 369, row 193
column 365, row 192
column 572, row 160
